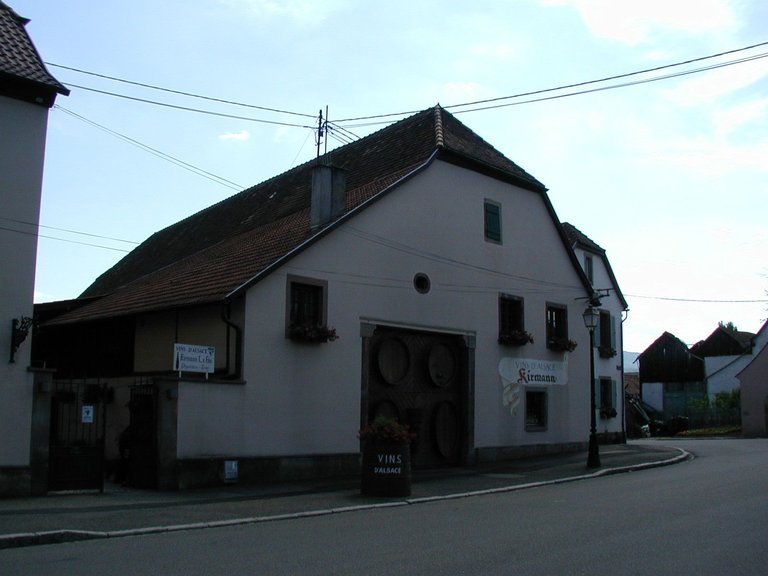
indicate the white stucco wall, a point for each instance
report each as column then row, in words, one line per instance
column 22, row 147
column 305, row 399
column 608, row 367
column 754, row 389
column 721, row 373
column 653, row 394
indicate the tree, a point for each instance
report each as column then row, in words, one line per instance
column 728, row 326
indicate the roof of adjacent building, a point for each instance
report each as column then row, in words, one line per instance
column 22, row 72
column 225, row 248
column 578, row 239
column 724, row 341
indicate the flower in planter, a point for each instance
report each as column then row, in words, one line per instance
column 386, row 430
column 606, row 351
column 606, row 413
column 562, row 344
column 312, row 333
column 515, row 338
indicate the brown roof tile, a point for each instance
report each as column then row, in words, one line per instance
column 22, row 72
column 207, row 256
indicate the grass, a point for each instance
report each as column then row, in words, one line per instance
column 720, row 431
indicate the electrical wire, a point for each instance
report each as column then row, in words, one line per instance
column 616, row 77
column 437, row 258
column 568, row 86
column 38, row 235
column 187, row 108
column 173, row 160
column 614, row 86
column 67, row 230
column 171, row 91
column 697, row 300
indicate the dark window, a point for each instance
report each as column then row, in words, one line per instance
column 557, row 326
column 605, row 336
column 306, row 302
column 535, row 410
column 510, row 314
column 492, row 221
column 589, row 268
column 606, row 398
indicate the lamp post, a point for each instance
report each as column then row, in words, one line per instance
column 591, row 320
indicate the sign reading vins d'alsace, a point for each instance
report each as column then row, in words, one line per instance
column 194, row 358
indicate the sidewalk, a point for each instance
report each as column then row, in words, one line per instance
column 120, row 512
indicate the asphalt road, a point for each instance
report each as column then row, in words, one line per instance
column 707, row 516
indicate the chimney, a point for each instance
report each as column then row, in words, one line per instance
column 328, row 195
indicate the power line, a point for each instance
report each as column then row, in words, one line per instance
column 173, row 160
column 575, row 85
column 697, row 300
column 187, row 108
column 67, row 230
column 38, row 235
column 614, row 86
column 616, row 77
column 172, row 91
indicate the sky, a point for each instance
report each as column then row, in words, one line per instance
column 668, row 175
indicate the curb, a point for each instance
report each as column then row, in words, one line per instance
column 62, row 536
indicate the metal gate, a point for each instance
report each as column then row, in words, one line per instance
column 140, row 441
column 78, row 425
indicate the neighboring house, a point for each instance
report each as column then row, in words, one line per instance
column 670, row 376
column 27, row 91
column 415, row 273
column 725, row 353
column 754, row 388
column 609, row 335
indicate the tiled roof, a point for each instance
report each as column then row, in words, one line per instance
column 207, row 256
column 577, row 238
column 724, row 342
column 22, row 72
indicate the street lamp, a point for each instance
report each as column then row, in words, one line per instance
column 591, row 320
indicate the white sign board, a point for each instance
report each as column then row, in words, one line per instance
column 194, row 358
column 518, row 372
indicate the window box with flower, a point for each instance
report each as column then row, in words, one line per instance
column 607, row 412
column 561, row 345
column 312, row 333
column 606, row 351
column 515, row 338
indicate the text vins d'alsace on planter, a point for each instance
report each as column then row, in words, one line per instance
column 388, row 464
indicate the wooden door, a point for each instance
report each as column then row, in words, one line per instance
column 420, row 378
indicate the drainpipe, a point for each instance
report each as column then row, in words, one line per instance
column 226, row 315
column 623, row 389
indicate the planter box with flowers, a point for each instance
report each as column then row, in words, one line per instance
column 606, row 351
column 311, row 333
column 386, row 467
column 606, row 413
column 515, row 338
column 561, row 345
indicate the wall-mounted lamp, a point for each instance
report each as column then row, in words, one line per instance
column 19, row 331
